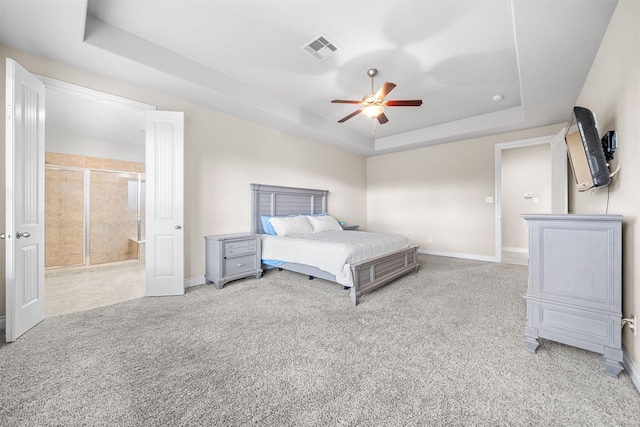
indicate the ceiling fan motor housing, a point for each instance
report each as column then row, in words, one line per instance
column 373, row 103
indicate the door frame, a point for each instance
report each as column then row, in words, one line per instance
column 85, row 92
column 559, row 178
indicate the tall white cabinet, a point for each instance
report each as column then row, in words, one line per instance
column 574, row 294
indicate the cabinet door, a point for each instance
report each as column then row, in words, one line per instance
column 578, row 263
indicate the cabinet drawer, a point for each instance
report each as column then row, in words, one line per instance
column 238, row 247
column 239, row 264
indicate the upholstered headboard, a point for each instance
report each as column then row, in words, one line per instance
column 274, row 200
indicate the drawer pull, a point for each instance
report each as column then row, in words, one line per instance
column 240, row 265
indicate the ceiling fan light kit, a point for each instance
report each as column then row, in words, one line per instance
column 373, row 104
column 373, row 111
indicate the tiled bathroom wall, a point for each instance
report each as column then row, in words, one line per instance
column 113, row 195
column 64, row 223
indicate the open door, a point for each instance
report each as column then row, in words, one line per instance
column 165, row 212
column 24, row 228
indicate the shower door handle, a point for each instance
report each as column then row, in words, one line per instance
column 20, row 234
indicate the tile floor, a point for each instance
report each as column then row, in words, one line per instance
column 81, row 289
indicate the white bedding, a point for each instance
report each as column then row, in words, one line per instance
column 332, row 251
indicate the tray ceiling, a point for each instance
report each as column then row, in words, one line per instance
column 247, row 58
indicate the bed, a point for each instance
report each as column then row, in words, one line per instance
column 366, row 274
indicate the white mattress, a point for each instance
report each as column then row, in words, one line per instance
column 332, row 251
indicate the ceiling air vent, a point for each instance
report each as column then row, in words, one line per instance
column 320, row 48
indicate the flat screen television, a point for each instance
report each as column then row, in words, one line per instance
column 588, row 154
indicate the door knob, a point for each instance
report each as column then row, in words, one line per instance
column 178, row 227
column 20, row 234
column 2, row 236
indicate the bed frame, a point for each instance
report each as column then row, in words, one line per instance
column 368, row 275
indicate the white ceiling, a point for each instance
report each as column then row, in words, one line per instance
column 92, row 117
column 245, row 58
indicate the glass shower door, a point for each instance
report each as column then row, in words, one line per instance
column 65, row 218
column 114, row 217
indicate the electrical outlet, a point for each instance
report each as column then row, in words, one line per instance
column 632, row 323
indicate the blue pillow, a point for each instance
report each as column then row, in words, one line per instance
column 266, row 225
column 320, row 214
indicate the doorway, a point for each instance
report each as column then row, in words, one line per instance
column 94, row 200
column 25, row 209
column 526, row 188
column 531, row 177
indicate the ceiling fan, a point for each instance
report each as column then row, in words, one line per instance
column 373, row 103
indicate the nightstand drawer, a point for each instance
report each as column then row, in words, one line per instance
column 239, row 247
column 239, row 264
column 231, row 257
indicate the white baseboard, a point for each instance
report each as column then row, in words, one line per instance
column 3, row 322
column 194, row 281
column 514, row 249
column 458, row 255
column 631, row 368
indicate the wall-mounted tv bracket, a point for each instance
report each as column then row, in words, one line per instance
column 609, row 144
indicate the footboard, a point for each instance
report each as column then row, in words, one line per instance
column 371, row 274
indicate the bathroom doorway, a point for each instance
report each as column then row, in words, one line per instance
column 94, row 201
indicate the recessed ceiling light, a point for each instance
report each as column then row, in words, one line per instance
column 497, row 98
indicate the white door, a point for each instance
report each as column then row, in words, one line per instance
column 24, row 228
column 165, row 213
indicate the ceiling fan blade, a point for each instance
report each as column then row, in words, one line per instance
column 355, row 113
column 345, row 101
column 404, row 103
column 382, row 118
column 385, row 89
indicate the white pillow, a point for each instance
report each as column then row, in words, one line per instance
column 290, row 226
column 323, row 223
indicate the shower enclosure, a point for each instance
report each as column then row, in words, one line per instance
column 93, row 216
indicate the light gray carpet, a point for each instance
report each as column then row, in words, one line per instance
column 442, row 347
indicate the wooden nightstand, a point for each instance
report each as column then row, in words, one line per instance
column 232, row 256
column 350, row 227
